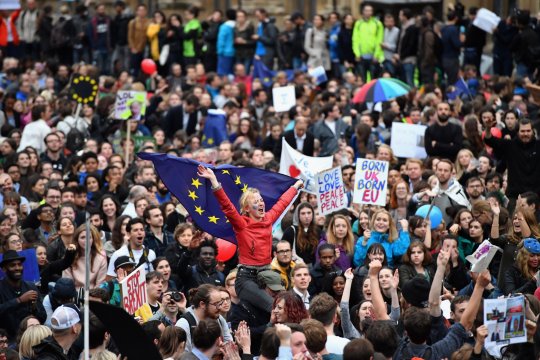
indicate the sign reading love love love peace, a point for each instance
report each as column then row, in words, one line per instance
column 297, row 165
column 331, row 195
column 371, row 182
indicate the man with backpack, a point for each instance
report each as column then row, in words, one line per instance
column 206, row 300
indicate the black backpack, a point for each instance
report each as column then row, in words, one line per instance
column 60, row 37
column 406, row 353
column 191, row 321
column 75, row 139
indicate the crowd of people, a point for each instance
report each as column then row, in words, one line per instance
column 367, row 282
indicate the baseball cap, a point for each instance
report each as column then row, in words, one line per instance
column 65, row 316
column 122, row 261
column 64, row 288
column 416, row 292
column 272, row 279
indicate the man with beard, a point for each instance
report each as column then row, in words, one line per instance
column 206, row 301
column 282, row 262
column 53, row 151
column 522, row 156
column 18, row 298
column 204, row 272
column 162, row 193
column 135, row 249
column 443, row 139
column 449, row 192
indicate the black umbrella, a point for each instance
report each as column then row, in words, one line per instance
column 128, row 335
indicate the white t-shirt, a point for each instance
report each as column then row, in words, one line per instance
column 123, row 251
column 335, row 344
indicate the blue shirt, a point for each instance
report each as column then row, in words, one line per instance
column 259, row 48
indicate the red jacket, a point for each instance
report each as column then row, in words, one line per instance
column 4, row 30
column 254, row 237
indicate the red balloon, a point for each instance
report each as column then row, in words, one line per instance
column 226, row 250
column 148, row 66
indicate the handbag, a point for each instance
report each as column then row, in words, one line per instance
column 164, row 54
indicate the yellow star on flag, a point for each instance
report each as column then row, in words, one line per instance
column 192, row 195
column 199, row 210
column 237, row 181
column 210, row 141
column 213, row 219
column 225, row 172
column 244, row 188
column 196, row 183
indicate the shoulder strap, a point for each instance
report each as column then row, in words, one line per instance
column 191, row 322
column 110, row 285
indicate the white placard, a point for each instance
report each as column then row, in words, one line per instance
column 10, row 5
column 133, row 289
column 331, row 194
column 284, row 98
column 482, row 257
column 130, row 105
column 486, row 20
column 505, row 320
column 371, row 182
column 407, row 140
column 297, row 165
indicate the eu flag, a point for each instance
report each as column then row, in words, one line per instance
column 266, row 75
column 195, row 193
column 460, row 88
column 215, row 128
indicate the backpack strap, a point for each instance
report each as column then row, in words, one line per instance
column 191, row 322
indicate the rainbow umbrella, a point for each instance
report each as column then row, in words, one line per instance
column 382, row 89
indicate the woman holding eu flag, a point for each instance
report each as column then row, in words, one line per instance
column 253, row 230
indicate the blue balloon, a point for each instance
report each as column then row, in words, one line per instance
column 435, row 215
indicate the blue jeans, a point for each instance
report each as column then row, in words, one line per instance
column 135, row 63
column 101, row 60
column 408, row 73
column 225, row 65
column 389, row 67
column 523, row 70
column 247, row 288
column 297, row 63
column 365, row 65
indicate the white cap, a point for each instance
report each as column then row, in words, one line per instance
column 64, row 317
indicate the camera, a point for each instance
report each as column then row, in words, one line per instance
column 176, row 296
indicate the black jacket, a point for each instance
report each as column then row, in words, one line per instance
column 449, row 140
column 317, row 275
column 12, row 312
column 521, row 45
column 49, row 349
column 174, row 120
column 515, row 282
column 523, row 161
column 309, row 143
column 119, row 29
column 196, row 276
column 408, row 45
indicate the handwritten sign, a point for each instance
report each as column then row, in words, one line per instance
column 330, row 191
column 133, row 289
column 284, row 98
column 297, row 165
column 371, row 182
column 481, row 258
column 130, row 105
column 407, row 140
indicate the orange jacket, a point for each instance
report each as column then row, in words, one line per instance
column 4, row 29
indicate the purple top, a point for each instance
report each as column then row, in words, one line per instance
column 344, row 261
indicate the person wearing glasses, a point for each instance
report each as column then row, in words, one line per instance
column 282, row 262
column 207, row 302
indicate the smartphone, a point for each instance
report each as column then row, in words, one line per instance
column 462, row 29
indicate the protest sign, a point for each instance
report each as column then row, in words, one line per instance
column 407, row 140
column 130, row 105
column 486, row 20
column 133, row 289
column 331, row 195
column 10, row 5
column 284, row 98
column 297, row 165
column 481, row 258
column 319, row 74
column 505, row 320
column 30, row 266
column 371, row 182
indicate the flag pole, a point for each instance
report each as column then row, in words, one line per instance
column 126, row 145
column 87, row 290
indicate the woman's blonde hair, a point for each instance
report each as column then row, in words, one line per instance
column 522, row 261
column 30, row 338
column 348, row 241
column 459, row 169
column 245, row 198
column 392, row 229
column 104, row 355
